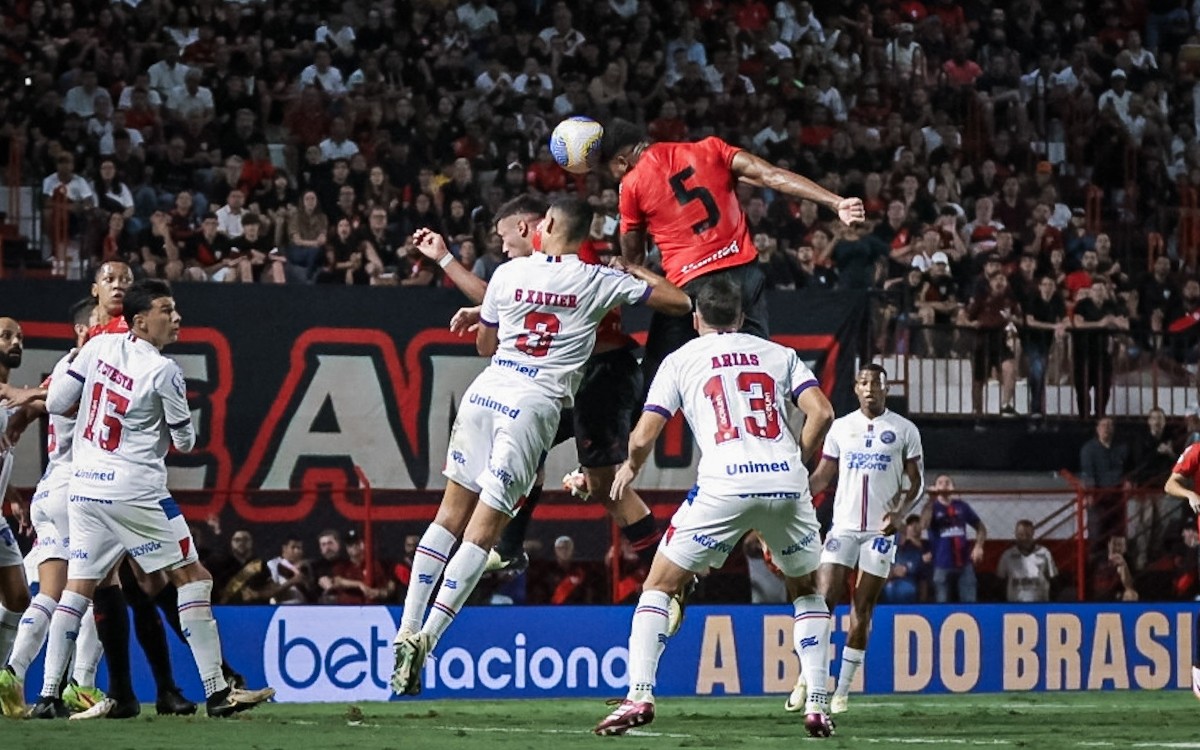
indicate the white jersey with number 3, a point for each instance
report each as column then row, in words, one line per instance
column 870, row 454
column 132, row 404
column 547, row 309
column 734, row 390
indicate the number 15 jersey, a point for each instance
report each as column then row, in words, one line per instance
column 547, row 309
column 682, row 194
column 733, row 389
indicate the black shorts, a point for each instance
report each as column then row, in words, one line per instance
column 991, row 349
column 602, row 417
column 669, row 332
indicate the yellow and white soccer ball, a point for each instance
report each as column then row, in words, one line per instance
column 575, row 144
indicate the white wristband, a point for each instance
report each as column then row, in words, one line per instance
column 445, row 260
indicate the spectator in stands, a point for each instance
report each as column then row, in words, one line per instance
column 307, row 231
column 158, row 250
column 1094, row 320
column 946, row 518
column 240, row 576
column 564, row 580
column 858, row 258
column 1112, row 575
column 230, row 216
column 329, row 543
column 353, row 582
column 76, row 196
column 257, row 255
column 994, row 317
column 809, row 275
column 1102, row 466
column 289, row 573
column 381, row 247
column 908, row 581
column 345, row 261
column 937, row 306
column 402, row 570
column 191, row 99
column 1045, row 339
column 1027, row 567
column 168, row 73
column 1186, row 583
column 779, row 268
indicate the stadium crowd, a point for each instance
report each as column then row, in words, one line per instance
column 262, row 141
column 1016, row 160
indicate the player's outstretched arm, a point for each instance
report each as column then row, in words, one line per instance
column 664, row 297
column 63, row 394
column 432, row 246
column 765, row 174
column 633, row 247
column 641, row 443
column 818, row 416
column 1175, row 488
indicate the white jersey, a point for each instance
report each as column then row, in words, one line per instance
column 871, row 454
column 547, row 309
column 734, row 390
column 61, row 432
column 134, row 404
column 1029, row 575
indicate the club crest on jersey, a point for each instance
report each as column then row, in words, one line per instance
column 888, row 437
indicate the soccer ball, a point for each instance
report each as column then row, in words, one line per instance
column 575, row 144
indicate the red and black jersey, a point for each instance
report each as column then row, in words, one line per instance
column 683, row 195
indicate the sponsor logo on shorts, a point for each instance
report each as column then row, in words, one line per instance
column 801, row 544
column 704, row 540
column 888, row 437
column 144, row 549
column 458, row 457
column 809, row 642
column 96, row 476
column 82, row 499
column 833, row 545
column 40, row 496
column 757, row 468
column 519, row 368
column 502, row 474
column 489, row 403
column 79, row 554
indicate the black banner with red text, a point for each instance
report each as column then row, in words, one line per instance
column 293, row 387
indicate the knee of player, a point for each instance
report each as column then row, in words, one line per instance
column 190, row 573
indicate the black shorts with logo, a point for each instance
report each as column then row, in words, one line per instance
column 669, row 332
column 602, row 418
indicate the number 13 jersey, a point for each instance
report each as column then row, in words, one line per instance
column 733, row 389
column 683, row 195
column 547, row 309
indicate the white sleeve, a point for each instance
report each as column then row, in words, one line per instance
column 664, row 397
column 831, row 449
column 1051, row 568
column 1002, row 565
column 802, row 378
column 172, row 389
column 63, row 393
column 619, row 288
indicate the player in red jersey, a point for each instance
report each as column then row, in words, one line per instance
column 1186, row 470
column 605, row 402
column 682, row 195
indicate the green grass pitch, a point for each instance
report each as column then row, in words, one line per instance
column 1062, row 721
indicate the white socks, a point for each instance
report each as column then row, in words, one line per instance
column 852, row 659
column 433, row 552
column 32, row 634
column 64, row 630
column 9, row 622
column 810, row 638
column 87, row 651
column 200, row 629
column 462, row 574
column 647, row 640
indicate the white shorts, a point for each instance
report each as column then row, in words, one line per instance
column 10, row 553
column 48, row 512
column 869, row 551
column 498, row 439
column 151, row 529
column 706, row 528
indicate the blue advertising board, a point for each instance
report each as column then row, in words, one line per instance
column 328, row 653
